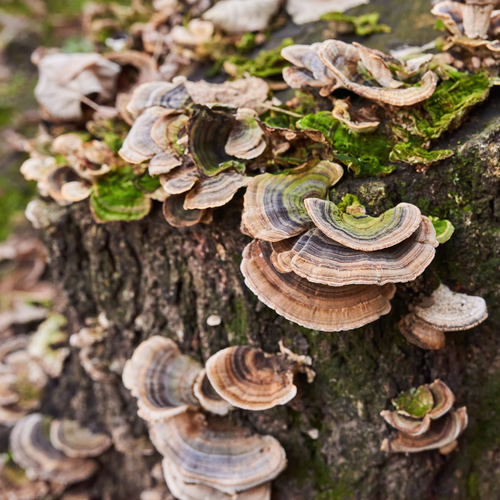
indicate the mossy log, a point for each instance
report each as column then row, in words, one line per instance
column 152, row 279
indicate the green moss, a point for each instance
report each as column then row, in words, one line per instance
column 410, row 153
column 146, row 183
column 76, row 44
column 365, row 154
column 364, row 25
column 115, row 196
column 347, row 201
column 111, row 132
column 415, row 402
column 237, row 327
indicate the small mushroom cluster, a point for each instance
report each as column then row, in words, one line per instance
column 425, row 420
column 320, row 267
column 26, row 363
column 57, row 451
column 171, row 388
column 443, row 311
column 473, row 26
column 199, row 155
column 369, row 73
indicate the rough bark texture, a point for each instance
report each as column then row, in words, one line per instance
column 153, row 279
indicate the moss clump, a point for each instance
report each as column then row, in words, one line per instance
column 238, row 325
column 116, row 197
column 364, row 25
column 347, row 201
column 413, row 154
column 416, row 402
column 365, row 154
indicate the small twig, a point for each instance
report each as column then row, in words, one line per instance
column 279, row 110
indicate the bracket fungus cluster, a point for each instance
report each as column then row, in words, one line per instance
column 425, row 420
column 335, row 64
column 443, row 311
column 207, row 455
column 323, row 268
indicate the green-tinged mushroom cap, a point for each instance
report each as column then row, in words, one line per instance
column 245, row 140
column 415, row 403
column 209, row 130
column 274, row 203
column 444, row 229
column 116, row 197
column 360, row 231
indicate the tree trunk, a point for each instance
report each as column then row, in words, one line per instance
column 151, row 279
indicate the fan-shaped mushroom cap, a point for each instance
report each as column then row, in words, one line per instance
column 341, row 113
column 31, row 449
column 65, row 78
column 197, row 32
column 311, row 305
column 342, row 59
column 451, row 14
column 245, row 139
column 161, row 378
column 139, row 145
column 181, row 179
column 208, row 397
column 360, row 231
column 421, row 334
column 215, row 191
column 441, row 434
column 443, row 399
column 242, row 16
column 177, row 216
column 407, row 425
column 321, row 260
column 452, row 311
column 373, row 61
column 274, row 203
column 208, row 131
column 250, row 379
column 57, row 178
column 76, row 441
column 15, row 485
column 308, row 70
column 75, row 191
column 67, row 144
column 308, row 12
column 186, row 491
column 163, row 163
column 244, row 93
column 36, row 169
column 217, row 452
column 45, row 345
column 171, row 96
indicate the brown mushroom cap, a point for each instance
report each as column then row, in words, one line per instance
column 441, row 434
column 451, row 311
column 215, row 191
column 312, row 305
column 32, row 450
column 321, row 260
column 57, row 178
column 218, row 453
column 208, row 397
column 274, row 203
column 177, row 216
column 443, row 399
column 161, row 378
column 188, row 491
column 421, row 333
column 407, row 425
column 451, row 14
column 163, row 163
column 181, row 179
column 250, row 379
column 360, row 231
column 75, row 441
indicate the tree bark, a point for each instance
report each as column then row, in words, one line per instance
column 152, row 279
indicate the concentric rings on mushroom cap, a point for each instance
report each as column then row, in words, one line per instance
column 312, row 305
column 360, row 231
column 161, row 378
column 176, row 215
column 274, row 203
column 186, row 491
column 74, row 440
column 250, row 379
column 441, row 434
column 32, row 450
column 207, row 396
column 421, row 334
column 218, row 453
column 321, row 260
